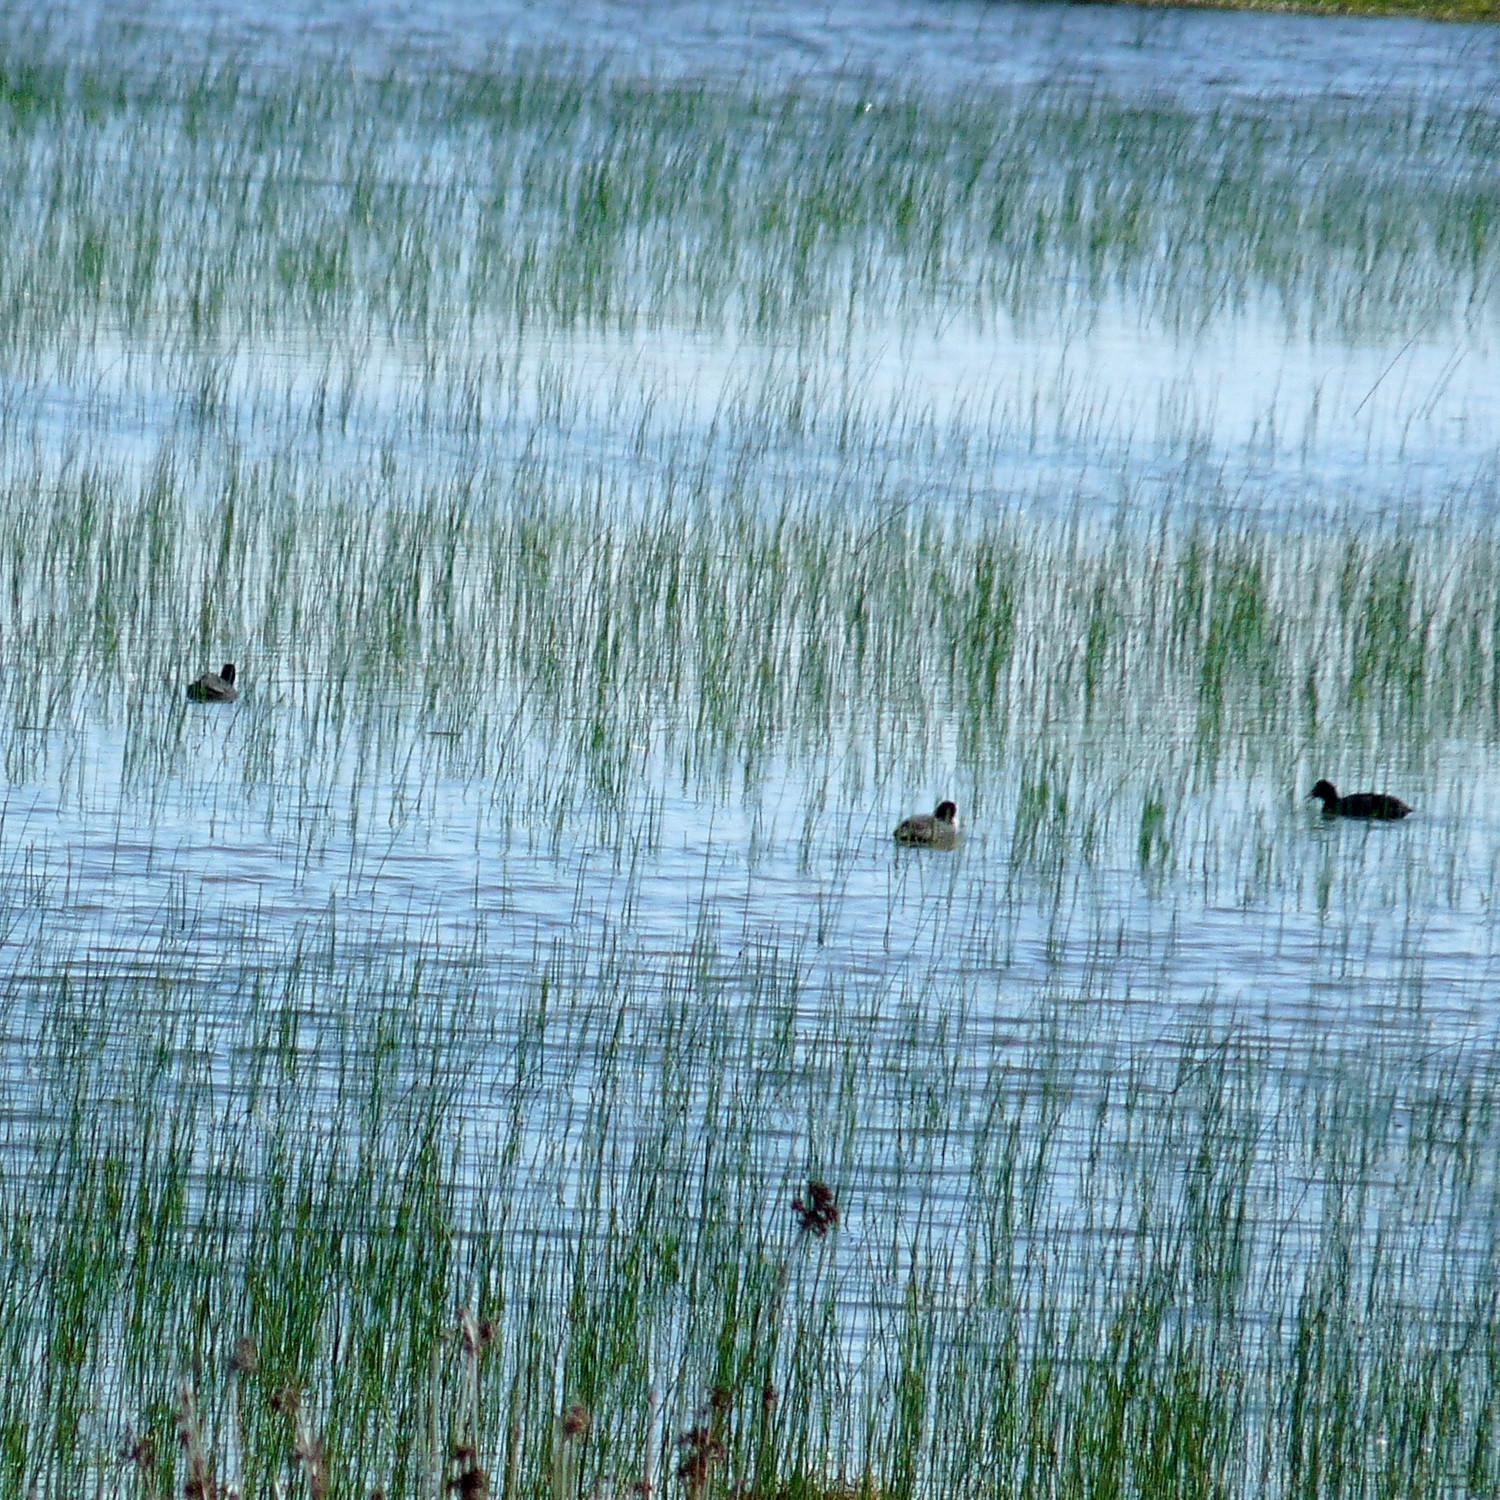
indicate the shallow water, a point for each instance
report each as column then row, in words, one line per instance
column 205, row 861
column 956, row 44
column 1099, row 412
column 1243, row 421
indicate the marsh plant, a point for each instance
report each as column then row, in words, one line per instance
column 1150, row 695
column 503, row 1052
column 422, row 1242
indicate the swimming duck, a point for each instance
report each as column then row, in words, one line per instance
column 940, row 827
column 214, row 687
column 1358, row 804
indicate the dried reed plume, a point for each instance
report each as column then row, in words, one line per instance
column 471, row 1482
column 142, row 1453
column 478, row 1336
column 572, row 1427
column 307, row 1453
column 244, row 1364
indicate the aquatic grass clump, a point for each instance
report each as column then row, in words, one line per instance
column 446, row 208
column 546, row 650
column 679, row 1219
column 500, row 1053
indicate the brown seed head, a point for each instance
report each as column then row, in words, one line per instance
column 308, row 1453
column 701, row 1453
column 287, row 1400
column 246, row 1357
column 576, row 1421
column 142, row 1453
column 470, row 1330
column 200, row 1481
column 472, row 1484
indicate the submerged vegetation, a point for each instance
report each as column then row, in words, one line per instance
column 503, row 1052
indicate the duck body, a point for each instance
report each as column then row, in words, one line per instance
column 938, row 828
column 1358, row 804
column 215, row 687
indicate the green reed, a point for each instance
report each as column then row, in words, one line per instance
column 1222, row 1268
column 440, row 208
column 559, row 651
column 283, row 393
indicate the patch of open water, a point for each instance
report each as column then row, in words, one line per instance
column 1242, row 422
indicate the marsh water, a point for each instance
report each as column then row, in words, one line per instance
column 596, row 623
column 1081, row 406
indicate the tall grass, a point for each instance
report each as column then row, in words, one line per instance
column 1216, row 1267
column 417, row 1074
column 226, row 204
column 547, row 651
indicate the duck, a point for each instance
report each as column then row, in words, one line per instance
column 215, row 687
column 939, row 827
column 1358, row 804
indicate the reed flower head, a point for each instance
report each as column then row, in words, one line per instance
column 471, row 1482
